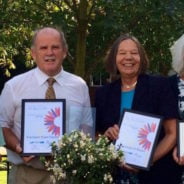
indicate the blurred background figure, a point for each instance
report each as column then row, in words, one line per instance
column 177, row 83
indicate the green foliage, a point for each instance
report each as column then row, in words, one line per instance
column 3, row 170
column 90, row 27
column 155, row 23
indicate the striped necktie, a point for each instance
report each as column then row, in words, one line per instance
column 50, row 93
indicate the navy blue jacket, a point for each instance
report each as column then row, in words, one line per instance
column 153, row 94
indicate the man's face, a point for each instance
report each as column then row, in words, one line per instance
column 48, row 52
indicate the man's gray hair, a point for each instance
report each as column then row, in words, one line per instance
column 62, row 36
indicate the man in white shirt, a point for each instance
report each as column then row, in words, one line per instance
column 49, row 49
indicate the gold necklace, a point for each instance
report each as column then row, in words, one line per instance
column 130, row 86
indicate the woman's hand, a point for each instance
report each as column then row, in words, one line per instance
column 129, row 168
column 112, row 132
column 179, row 160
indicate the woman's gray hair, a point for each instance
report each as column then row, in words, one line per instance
column 177, row 52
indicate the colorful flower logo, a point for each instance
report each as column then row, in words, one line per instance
column 50, row 121
column 145, row 135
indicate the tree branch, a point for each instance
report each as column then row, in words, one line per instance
column 91, row 10
column 73, row 8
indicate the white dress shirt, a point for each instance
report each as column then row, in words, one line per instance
column 33, row 85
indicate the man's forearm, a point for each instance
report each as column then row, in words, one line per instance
column 11, row 140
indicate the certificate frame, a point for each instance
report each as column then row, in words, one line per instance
column 138, row 136
column 42, row 122
column 180, row 138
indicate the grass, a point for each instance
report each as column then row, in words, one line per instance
column 3, row 177
column 3, row 171
column 3, row 167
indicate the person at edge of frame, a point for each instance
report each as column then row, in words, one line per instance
column 177, row 84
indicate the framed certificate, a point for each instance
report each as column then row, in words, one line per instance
column 43, row 122
column 180, row 129
column 137, row 137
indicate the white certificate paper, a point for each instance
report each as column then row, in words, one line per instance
column 181, row 138
column 137, row 137
column 43, row 122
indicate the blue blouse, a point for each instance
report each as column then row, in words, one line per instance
column 126, row 100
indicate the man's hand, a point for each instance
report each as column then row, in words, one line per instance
column 18, row 150
column 28, row 159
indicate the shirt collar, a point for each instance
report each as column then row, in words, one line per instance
column 42, row 77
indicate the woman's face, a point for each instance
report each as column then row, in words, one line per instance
column 128, row 58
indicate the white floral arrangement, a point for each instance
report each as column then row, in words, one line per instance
column 77, row 159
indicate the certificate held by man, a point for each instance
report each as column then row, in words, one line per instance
column 43, row 122
column 137, row 137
